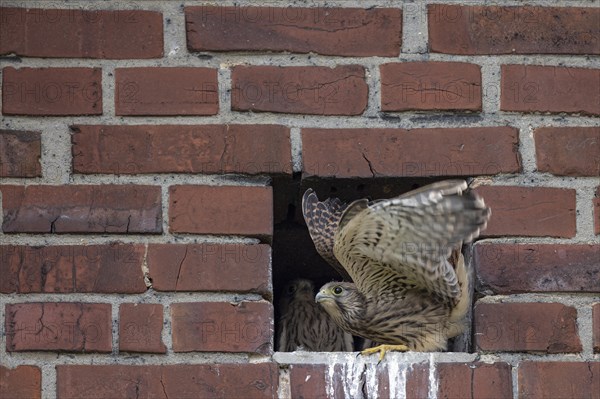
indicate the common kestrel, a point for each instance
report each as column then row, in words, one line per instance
column 408, row 287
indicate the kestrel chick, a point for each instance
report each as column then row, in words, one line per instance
column 304, row 325
column 410, row 288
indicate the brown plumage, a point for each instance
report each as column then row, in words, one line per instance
column 407, row 289
column 304, row 325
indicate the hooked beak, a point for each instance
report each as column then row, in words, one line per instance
column 321, row 296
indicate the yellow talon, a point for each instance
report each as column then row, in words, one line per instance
column 382, row 349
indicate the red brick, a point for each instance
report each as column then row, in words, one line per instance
column 568, row 151
column 314, row 381
column 82, row 209
column 596, row 326
column 113, row 268
column 20, row 153
column 517, row 268
column 75, row 33
column 474, row 380
column 248, row 149
column 210, row 267
column 529, row 211
column 22, row 382
column 351, row 153
column 323, row 30
column 52, row 91
column 536, row 88
column 526, row 327
column 166, row 91
column 559, row 380
column 300, row 90
column 59, row 326
column 596, row 204
column 244, row 210
column 140, row 328
column 430, row 86
column 513, row 30
column 222, row 327
column 241, row 380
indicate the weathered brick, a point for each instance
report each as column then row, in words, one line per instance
column 475, row 380
column 76, row 33
column 241, row 380
column 410, row 381
column 22, row 382
column 317, row 90
column 568, row 151
column 140, row 328
column 517, row 268
column 166, row 91
column 348, row 153
column 20, row 153
column 513, row 30
column 430, row 86
column 596, row 326
column 113, row 268
column 59, row 326
column 323, row 30
column 248, row 149
column 526, row 327
column 82, row 209
column 315, row 381
column 529, row 211
column 559, row 380
column 596, row 204
column 536, row 88
column 346, row 381
column 210, row 267
column 244, row 210
column 51, row 91
column 222, row 327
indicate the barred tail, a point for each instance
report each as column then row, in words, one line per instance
column 457, row 321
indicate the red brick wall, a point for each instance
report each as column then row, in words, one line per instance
column 139, row 147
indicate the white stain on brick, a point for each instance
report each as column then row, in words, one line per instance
column 433, row 380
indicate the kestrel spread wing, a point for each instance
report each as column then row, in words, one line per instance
column 404, row 243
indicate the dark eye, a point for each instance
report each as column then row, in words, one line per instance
column 291, row 289
column 337, row 290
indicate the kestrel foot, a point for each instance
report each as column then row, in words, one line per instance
column 382, row 349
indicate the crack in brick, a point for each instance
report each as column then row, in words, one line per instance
column 373, row 171
column 180, row 265
column 314, row 28
column 162, row 384
column 226, row 147
column 321, row 85
column 53, row 224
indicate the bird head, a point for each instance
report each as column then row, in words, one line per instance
column 342, row 301
column 301, row 289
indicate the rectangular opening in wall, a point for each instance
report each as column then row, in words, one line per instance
column 295, row 259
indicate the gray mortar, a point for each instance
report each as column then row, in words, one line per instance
column 56, row 168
